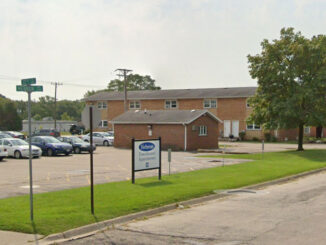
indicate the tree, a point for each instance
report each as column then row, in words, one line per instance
column 9, row 118
column 134, row 82
column 37, row 117
column 66, row 117
column 291, row 75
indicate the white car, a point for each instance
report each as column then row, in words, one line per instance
column 100, row 138
column 18, row 148
column 3, row 154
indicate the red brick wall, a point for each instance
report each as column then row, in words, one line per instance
column 210, row 141
column 172, row 135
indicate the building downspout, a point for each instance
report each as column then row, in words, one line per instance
column 185, row 147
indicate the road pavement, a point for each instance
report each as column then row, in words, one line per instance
column 291, row 213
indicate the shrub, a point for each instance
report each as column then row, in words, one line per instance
column 268, row 137
column 255, row 139
column 242, row 135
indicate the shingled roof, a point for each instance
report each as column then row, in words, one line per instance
column 235, row 92
column 161, row 117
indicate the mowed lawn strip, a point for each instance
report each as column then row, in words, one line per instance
column 63, row 210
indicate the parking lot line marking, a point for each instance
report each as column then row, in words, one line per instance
column 48, row 177
column 191, row 169
column 127, row 178
column 107, row 177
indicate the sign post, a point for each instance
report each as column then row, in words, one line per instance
column 169, row 159
column 146, row 155
column 27, row 87
column 91, row 157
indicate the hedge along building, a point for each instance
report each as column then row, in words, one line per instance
column 178, row 129
column 228, row 104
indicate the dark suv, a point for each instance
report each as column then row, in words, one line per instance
column 47, row 132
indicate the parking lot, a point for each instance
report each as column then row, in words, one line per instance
column 65, row 172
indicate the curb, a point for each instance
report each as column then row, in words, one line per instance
column 91, row 229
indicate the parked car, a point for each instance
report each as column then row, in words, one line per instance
column 51, row 146
column 76, row 129
column 100, row 138
column 15, row 134
column 47, row 132
column 3, row 135
column 3, row 153
column 78, row 144
column 18, row 148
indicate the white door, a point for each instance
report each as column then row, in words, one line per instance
column 235, row 128
column 227, row 128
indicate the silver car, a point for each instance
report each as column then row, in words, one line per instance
column 100, row 138
column 18, row 148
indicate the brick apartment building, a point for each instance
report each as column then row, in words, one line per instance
column 178, row 129
column 228, row 104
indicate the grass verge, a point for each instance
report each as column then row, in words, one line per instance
column 63, row 210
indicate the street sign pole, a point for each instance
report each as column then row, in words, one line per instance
column 30, row 156
column 26, row 86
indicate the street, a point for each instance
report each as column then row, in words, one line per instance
column 290, row 213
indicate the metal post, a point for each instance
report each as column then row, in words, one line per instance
column 133, row 161
column 169, row 159
column 224, row 154
column 160, row 168
column 262, row 148
column 30, row 156
column 91, row 157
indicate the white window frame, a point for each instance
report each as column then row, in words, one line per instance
column 102, row 105
column 209, row 103
column 133, row 104
column 168, row 104
column 101, row 124
column 202, row 130
column 306, row 130
column 254, row 126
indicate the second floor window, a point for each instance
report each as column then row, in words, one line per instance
column 210, row 104
column 170, row 104
column 134, row 105
column 102, row 105
column 103, row 124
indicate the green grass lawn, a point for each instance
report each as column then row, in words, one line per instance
column 63, row 210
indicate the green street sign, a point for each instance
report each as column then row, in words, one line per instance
column 28, row 81
column 22, row 88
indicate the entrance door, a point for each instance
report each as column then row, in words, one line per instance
column 235, row 128
column 227, row 128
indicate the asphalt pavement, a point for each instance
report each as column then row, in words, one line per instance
column 293, row 214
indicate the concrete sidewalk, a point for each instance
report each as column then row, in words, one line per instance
column 16, row 238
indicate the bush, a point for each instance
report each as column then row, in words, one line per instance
column 242, row 135
column 268, row 137
column 274, row 139
column 255, row 139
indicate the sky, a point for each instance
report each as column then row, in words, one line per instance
column 179, row 43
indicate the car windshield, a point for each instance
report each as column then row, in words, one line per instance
column 2, row 136
column 77, row 140
column 106, row 134
column 51, row 140
column 18, row 142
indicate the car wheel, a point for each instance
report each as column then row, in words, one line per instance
column 67, row 153
column 50, row 152
column 1, row 158
column 77, row 150
column 86, row 140
column 106, row 143
column 17, row 155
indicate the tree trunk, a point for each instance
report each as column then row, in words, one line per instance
column 300, row 138
column 319, row 131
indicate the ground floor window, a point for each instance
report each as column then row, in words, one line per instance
column 202, row 130
column 253, row 126
column 103, row 124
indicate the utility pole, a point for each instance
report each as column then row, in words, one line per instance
column 56, row 84
column 123, row 73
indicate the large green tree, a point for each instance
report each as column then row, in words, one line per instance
column 134, row 82
column 291, row 76
column 9, row 118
